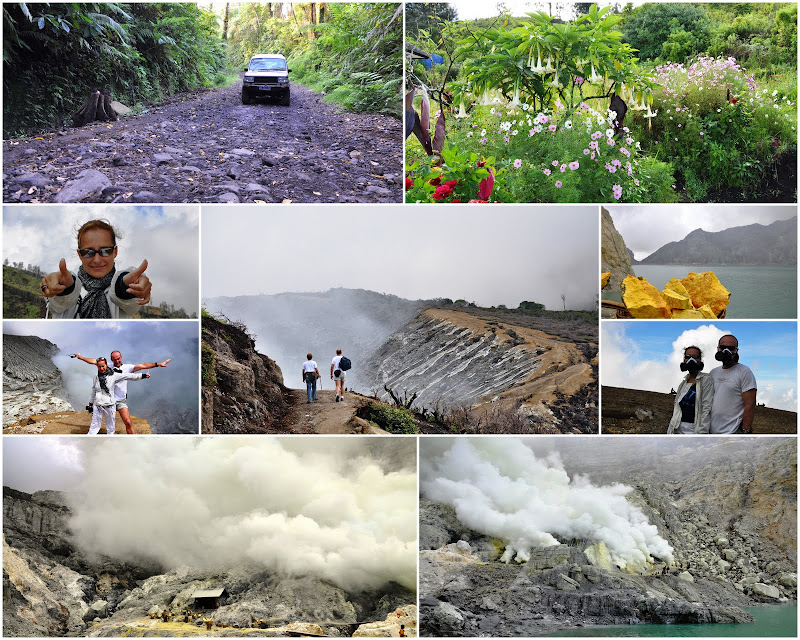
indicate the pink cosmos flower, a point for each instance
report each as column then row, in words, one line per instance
column 517, row 163
column 617, row 189
column 552, row 128
column 546, row 172
column 554, row 163
column 586, row 152
column 558, row 184
column 563, row 168
column 573, row 165
column 610, row 142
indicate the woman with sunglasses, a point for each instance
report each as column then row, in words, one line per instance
column 98, row 290
column 694, row 398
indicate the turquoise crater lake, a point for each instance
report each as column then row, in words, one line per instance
column 756, row 292
column 775, row 621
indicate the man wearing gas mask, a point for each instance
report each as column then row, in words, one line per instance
column 734, row 390
column 694, row 397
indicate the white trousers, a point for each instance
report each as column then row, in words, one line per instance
column 110, row 413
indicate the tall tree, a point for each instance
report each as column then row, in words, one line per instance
column 225, row 22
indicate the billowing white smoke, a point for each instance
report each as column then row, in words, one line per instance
column 300, row 508
column 500, row 488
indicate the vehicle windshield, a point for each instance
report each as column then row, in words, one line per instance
column 267, row 64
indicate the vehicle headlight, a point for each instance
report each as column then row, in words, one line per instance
column 248, row 78
column 283, row 80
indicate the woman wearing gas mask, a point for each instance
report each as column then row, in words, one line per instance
column 694, row 398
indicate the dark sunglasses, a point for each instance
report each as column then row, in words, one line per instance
column 103, row 251
column 721, row 348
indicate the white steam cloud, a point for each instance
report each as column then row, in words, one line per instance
column 499, row 487
column 321, row 510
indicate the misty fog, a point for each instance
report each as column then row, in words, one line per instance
column 340, row 509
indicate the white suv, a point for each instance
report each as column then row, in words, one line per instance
column 266, row 76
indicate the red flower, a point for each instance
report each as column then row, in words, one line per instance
column 456, row 200
column 486, row 186
column 451, row 183
column 409, row 183
column 734, row 101
column 436, row 181
column 481, row 163
column 442, row 191
column 481, row 201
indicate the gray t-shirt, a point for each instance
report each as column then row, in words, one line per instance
column 729, row 385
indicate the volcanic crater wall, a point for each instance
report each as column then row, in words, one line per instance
column 32, row 384
column 457, row 358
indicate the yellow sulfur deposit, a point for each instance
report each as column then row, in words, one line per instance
column 707, row 312
column 604, row 277
column 642, row 299
column 706, row 289
column 677, row 286
column 687, row 314
column 698, row 295
column 676, row 300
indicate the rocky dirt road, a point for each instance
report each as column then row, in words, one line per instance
column 209, row 147
column 326, row 415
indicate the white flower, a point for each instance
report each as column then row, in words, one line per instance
column 775, row 93
column 491, row 110
column 483, row 132
column 609, row 133
column 514, row 132
column 469, row 134
column 525, row 107
column 568, row 124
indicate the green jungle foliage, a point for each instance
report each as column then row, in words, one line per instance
column 54, row 54
column 352, row 52
column 21, row 295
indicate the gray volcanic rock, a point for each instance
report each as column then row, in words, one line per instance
column 164, row 416
column 243, row 390
column 32, row 384
column 441, row 360
column 754, row 244
column 51, row 588
column 614, row 255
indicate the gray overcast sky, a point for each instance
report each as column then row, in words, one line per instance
column 166, row 236
column 646, row 228
column 484, row 254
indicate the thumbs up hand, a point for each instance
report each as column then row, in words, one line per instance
column 58, row 281
column 138, row 284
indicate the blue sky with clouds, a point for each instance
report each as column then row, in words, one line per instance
column 646, row 355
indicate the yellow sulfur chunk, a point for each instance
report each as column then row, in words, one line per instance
column 687, row 314
column 707, row 312
column 677, row 286
column 604, row 277
column 643, row 300
column 675, row 300
column 705, row 288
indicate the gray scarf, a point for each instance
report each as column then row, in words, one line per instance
column 94, row 304
column 102, row 378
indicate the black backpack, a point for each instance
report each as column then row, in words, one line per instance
column 345, row 364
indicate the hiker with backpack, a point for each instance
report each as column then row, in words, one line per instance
column 310, row 377
column 339, row 365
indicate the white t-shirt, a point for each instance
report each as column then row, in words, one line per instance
column 728, row 408
column 335, row 363
column 121, row 389
column 309, row 366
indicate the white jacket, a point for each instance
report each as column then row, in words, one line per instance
column 103, row 399
column 67, row 306
column 702, row 405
